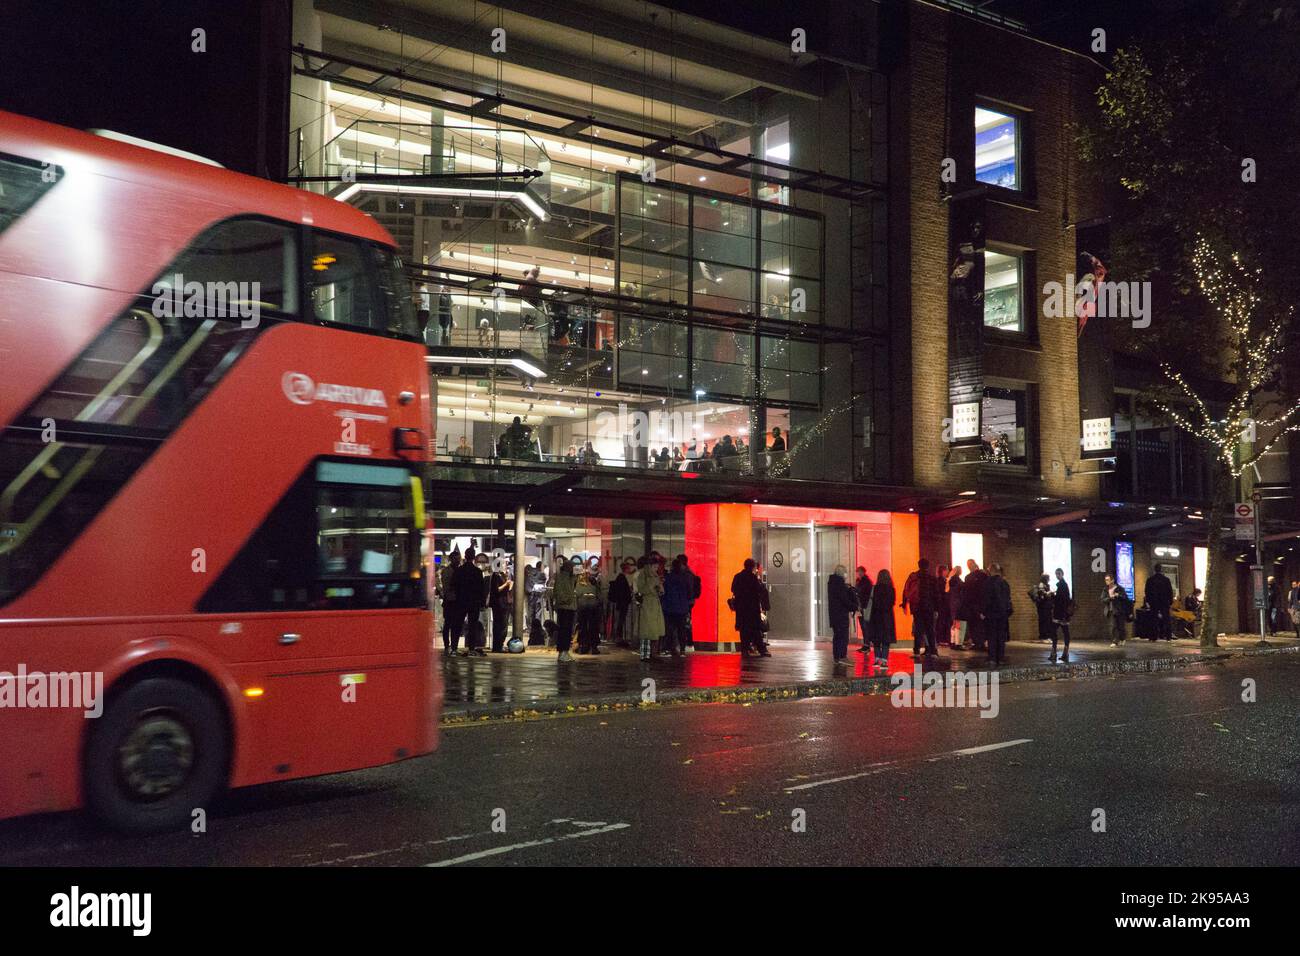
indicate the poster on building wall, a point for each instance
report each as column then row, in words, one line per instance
column 1096, row 373
column 965, row 324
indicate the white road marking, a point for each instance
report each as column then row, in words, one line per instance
column 876, row 768
column 498, row 850
column 987, row 747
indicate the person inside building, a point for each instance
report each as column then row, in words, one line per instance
column 530, row 291
column 863, row 586
column 1062, row 611
column 589, row 455
column 535, row 588
column 464, row 451
column 920, row 600
column 751, row 602
column 883, row 599
column 841, row 607
column 997, row 616
column 1159, row 596
column 1041, row 596
column 423, row 306
column 1118, row 608
column 973, row 600
column 564, row 600
column 445, row 321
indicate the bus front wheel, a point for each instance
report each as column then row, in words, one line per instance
column 158, row 753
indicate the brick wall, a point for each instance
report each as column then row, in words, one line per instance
column 952, row 59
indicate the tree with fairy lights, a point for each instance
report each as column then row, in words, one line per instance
column 1196, row 141
column 1252, row 343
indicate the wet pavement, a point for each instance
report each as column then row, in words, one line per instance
column 493, row 684
column 1185, row 771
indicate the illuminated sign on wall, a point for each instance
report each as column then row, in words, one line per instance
column 965, row 420
column 1096, row 434
column 1200, row 560
column 1124, row 567
column 1056, row 554
column 1166, row 551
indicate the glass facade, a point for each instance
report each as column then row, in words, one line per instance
column 605, row 286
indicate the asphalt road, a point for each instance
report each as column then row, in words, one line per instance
column 1185, row 772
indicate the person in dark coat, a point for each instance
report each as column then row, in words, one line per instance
column 997, row 615
column 1041, row 595
column 470, row 588
column 955, row 597
column 973, row 599
column 502, row 602
column 1062, row 610
column 1159, row 595
column 750, row 598
column 841, row 605
column 882, row 615
column 678, row 586
column 621, row 591
column 920, row 599
column 863, row 587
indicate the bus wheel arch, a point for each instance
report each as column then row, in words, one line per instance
column 162, row 748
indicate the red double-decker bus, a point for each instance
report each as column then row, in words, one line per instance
column 215, row 407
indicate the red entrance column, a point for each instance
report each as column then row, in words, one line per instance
column 718, row 540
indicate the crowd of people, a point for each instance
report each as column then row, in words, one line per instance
column 647, row 604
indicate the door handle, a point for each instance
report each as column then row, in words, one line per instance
column 290, row 638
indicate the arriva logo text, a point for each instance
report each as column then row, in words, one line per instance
column 301, row 390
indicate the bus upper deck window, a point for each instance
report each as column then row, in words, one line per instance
column 22, row 182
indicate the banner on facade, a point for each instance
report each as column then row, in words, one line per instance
column 1096, row 362
column 965, row 325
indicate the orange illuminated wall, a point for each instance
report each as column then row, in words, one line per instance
column 719, row 538
column 905, row 533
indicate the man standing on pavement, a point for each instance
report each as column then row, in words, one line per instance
column 1115, row 600
column 1159, row 596
column 697, row 589
column 920, row 599
column 841, row 605
column 973, row 599
column 997, row 615
column 749, row 599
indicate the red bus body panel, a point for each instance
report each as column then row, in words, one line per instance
column 68, row 266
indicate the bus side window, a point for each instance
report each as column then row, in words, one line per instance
column 359, row 284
